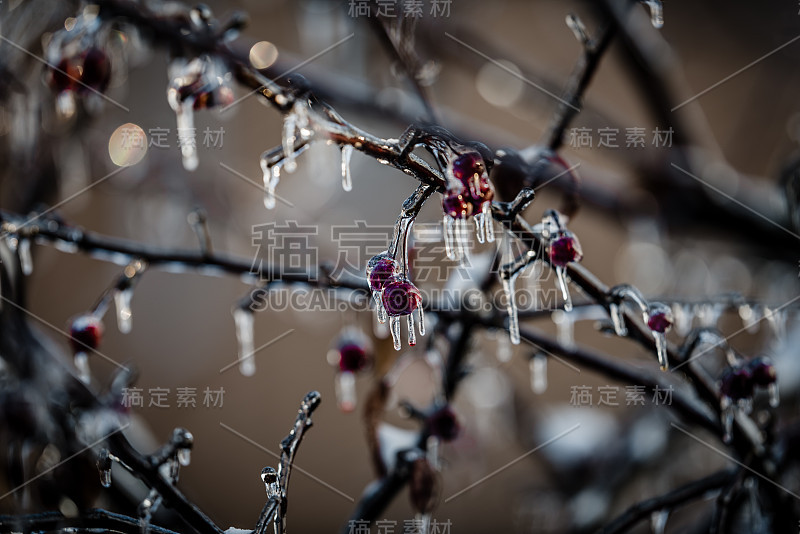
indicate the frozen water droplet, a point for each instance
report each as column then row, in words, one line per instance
column 683, row 318
column 421, row 320
column 448, row 230
column 618, row 318
column 122, row 301
column 462, row 238
column 104, row 466
column 661, row 349
column 381, row 311
column 25, row 258
column 488, row 221
column 347, row 181
column 479, row 228
column 244, row 320
column 561, row 273
column 656, row 12
column 184, row 456
column 504, row 349
column 146, row 508
column 346, row 391
column 288, row 140
column 412, row 336
column 272, row 175
column 727, row 419
column 271, row 483
column 774, row 395
column 658, row 521
column 394, row 326
column 566, row 327
column 186, row 133
column 82, row 365
column 511, row 306
column 538, row 368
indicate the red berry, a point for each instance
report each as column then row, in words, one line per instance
column 456, row 206
column 422, row 486
column 737, row 383
column 400, row 297
column 763, row 371
column 65, row 75
column 352, row 357
column 443, row 424
column 467, row 166
column 659, row 322
column 565, row 249
column 96, row 69
column 85, row 333
column 380, row 270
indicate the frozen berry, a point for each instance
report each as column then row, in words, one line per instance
column 352, row 357
column 380, row 270
column 565, row 249
column 468, row 167
column 443, row 424
column 737, row 383
column 85, row 333
column 95, row 70
column 762, row 371
column 400, row 297
column 456, row 206
column 65, row 75
column 659, row 318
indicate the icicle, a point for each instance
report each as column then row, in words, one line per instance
column 423, row 523
column 683, row 318
column 661, row 349
column 566, row 327
column 504, row 349
column 618, row 318
column 104, row 466
column 243, row 318
column 346, row 391
column 272, row 175
column 146, row 508
column 432, row 445
column 394, row 326
column 184, row 456
column 728, row 408
column 65, row 104
column 462, row 238
column 25, row 258
column 381, row 311
column 379, row 328
column 656, row 13
column 347, row 181
column 479, row 227
column 774, row 396
column 776, row 319
column 186, row 135
column 751, row 317
column 288, row 140
column 421, row 319
column 448, row 230
column 270, row 478
column 488, row 221
column 561, row 273
column 538, row 368
column 82, row 365
column 122, row 301
column 412, row 336
column 658, row 521
column 513, row 318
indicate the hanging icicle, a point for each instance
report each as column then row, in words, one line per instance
column 122, row 302
column 683, row 318
column 271, row 483
column 659, row 319
column 347, row 180
column 24, row 253
column 565, row 326
column 104, row 467
column 86, row 332
column 538, row 370
column 563, row 248
column 182, row 441
column 658, row 521
column 751, row 317
column 200, row 83
column 736, row 388
column 763, row 374
column 244, row 320
column 656, row 12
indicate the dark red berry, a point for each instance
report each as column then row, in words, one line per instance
column 85, row 333
column 65, row 75
column 422, row 486
column 737, row 383
column 565, row 249
column 468, row 167
column 443, row 424
column 380, row 270
column 659, row 321
column 456, row 206
column 400, row 297
column 95, row 70
column 762, row 371
column 352, row 357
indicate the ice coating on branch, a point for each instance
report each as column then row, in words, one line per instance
column 347, row 180
column 295, row 127
column 271, row 483
column 122, row 302
column 244, row 321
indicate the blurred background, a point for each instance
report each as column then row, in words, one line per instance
column 744, row 132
